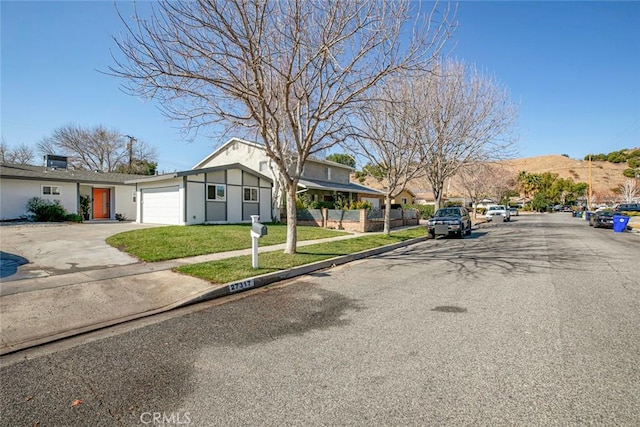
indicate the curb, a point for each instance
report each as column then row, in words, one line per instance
column 216, row 291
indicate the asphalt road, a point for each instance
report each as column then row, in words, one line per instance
column 533, row 322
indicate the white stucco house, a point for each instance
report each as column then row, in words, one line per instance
column 108, row 192
column 225, row 194
column 321, row 180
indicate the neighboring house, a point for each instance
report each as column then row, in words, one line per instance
column 108, row 192
column 214, row 195
column 406, row 197
column 321, row 180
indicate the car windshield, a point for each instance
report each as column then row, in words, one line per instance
column 496, row 208
column 448, row 212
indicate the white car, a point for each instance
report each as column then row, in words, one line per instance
column 496, row 211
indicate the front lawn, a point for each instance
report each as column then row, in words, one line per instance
column 163, row 243
column 238, row 268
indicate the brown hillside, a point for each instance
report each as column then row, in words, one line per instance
column 604, row 175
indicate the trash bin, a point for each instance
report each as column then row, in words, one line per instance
column 620, row 223
column 587, row 215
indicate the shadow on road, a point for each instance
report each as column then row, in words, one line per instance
column 9, row 264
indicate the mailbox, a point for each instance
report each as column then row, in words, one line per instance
column 259, row 229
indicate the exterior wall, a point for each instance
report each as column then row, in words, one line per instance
column 319, row 171
column 16, row 193
column 244, row 154
column 403, row 195
column 122, row 195
column 361, row 220
column 196, row 196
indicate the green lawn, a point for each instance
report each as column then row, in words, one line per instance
column 163, row 243
column 238, row 268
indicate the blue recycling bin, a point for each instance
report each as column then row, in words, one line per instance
column 620, row 223
column 587, row 215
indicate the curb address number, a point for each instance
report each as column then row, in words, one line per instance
column 240, row 286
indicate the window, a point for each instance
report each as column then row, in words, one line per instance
column 404, row 201
column 328, row 174
column 134, row 195
column 50, row 190
column 264, row 166
column 250, row 194
column 216, row 192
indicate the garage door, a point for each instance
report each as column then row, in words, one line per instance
column 161, row 205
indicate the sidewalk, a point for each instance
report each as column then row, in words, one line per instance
column 42, row 310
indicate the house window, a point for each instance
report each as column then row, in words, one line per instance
column 264, row 166
column 404, row 201
column 134, row 195
column 50, row 190
column 217, row 192
column 250, row 194
column 328, row 174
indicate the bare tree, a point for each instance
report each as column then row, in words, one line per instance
column 383, row 132
column 468, row 118
column 287, row 73
column 96, row 148
column 629, row 190
column 22, row 154
column 502, row 182
column 476, row 179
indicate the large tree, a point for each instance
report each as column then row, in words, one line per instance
column 384, row 132
column 97, row 148
column 468, row 118
column 22, row 154
column 476, row 179
column 287, row 72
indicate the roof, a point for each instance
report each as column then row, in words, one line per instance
column 41, row 173
column 172, row 175
column 261, row 147
column 334, row 186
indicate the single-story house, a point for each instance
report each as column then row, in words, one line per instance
column 107, row 192
column 321, row 180
column 406, row 197
column 215, row 195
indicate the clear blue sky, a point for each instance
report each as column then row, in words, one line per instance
column 573, row 67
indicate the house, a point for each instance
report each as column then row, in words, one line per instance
column 230, row 193
column 406, row 197
column 108, row 193
column 321, row 180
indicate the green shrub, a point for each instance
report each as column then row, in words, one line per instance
column 74, row 218
column 425, row 211
column 45, row 210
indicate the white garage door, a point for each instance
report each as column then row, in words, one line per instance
column 161, row 205
column 375, row 203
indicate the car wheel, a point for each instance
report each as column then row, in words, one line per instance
column 469, row 230
column 432, row 235
column 459, row 234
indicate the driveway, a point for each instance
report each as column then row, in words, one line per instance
column 38, row 250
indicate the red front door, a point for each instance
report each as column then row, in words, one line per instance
column 101, row 203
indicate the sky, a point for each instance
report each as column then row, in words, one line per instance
column 572, row 67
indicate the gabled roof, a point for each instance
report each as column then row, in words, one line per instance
column 41, row 173
column 334, row 186
column 224, row 146
column 197, row 172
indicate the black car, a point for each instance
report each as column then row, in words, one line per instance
column 450, row 221
column 602, row 219
column 627, row 207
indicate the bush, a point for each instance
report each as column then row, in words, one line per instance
column 74, row 218
column 424, row 211
column 45, row 210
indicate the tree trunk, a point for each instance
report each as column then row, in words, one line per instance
column 387, row 215
column 292, row 235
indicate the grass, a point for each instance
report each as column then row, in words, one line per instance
column 238, row 268
column 164, row 243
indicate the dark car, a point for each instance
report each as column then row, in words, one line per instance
column 450, row 221
column 602, row 219
column 627, row 207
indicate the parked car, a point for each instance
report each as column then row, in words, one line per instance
column 513, row 211
column 627, row 207
column 497, row 211
column 453, row 220
column 602, row 219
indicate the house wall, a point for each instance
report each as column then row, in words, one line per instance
column 403, row 195
column 16, row 193
column 122, row 195
column 196, row 196
column 320, row 171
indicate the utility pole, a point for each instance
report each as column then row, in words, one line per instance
column 130, row 147
column 590, row 188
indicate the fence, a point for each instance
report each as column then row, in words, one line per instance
column 362, row 220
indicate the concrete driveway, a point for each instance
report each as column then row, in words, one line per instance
column 38, row 250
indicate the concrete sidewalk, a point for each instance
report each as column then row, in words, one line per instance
column 45, row 309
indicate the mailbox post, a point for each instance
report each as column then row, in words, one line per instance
column 257, row 231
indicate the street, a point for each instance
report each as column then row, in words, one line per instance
column 532, row 322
